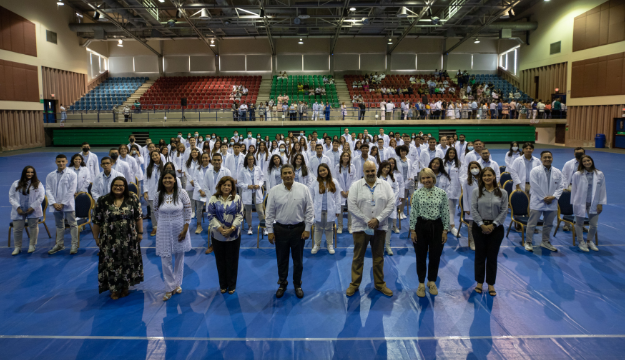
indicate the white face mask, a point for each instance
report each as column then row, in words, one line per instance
column 515, row 148
column 235, row 134
column 475, row 172
column 179, row 136
column 212, row 137
column 249, row 136
column 282, row 150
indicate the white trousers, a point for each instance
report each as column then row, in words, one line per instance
column 172, row 274
column 18, row 231
column 453, row 204
column 340, row 218
column 324, row 226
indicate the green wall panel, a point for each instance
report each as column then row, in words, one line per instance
column 116, row 136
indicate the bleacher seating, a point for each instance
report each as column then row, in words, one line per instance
column 502, row 85
column 202, row 92
column 281, row 86
column 373, row 99
column 112, row 92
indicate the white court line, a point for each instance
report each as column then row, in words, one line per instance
column 408, row 338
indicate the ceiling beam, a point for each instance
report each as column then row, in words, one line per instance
column 412, row 24
column 338, row 27
column 122, row 28
column 268, row 30
column 192, row 25
column 491, row 20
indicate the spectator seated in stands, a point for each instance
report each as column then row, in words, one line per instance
column 306, row 87
column 331, row 80
column 300, row 87
column 365, row 87
column 318, row 91
column 323, row 91
column 137, row 106
column 413, row 80
column 245, row 91
column 325, row 79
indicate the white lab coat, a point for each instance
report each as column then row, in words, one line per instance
column 230, row 165
column 511, row 158
column 315, row 162
column 333, row 201
column 396, row 189
column 248, row 142
column 83, row 178
column 400, row 185
column 261, row 162
column 517, row 171
column 539, row 188
column 304, row 180
column 198, row 181
column 424, row 158
column 358, row 162
column 245, row 180
column 190, row 173
column 453, row 191
column 414, row 155
column 179, row 164
column 389, row 152
column 124, row 168
column 410, row 173
column 568, row 170
column 133, row 165
column 139, row 160
column 467, row 190
column 271, row 178
column 330, row 155
column 35, row 198
column 99, row 187
column 209, row 182
column 493, row 164
column 345, row 185
column 61, row 192
column 151, row 183
column 579, row 190
column 92, row 163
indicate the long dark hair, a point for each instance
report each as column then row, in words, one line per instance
column 393, row 165
column 201, row 161
column 327, row 181
column 246, row 163
column 511, row 145
column 110, row 197
column 455, row 160
column 497, row 190
column 190, row 159
column 271, row 164
column 349, row 167
column 382, row 166
column 258, row 153
column 152, row 164
column 82, row 160
column 23, row 183
column 161, row 187
column 377, row 155
column 580, row 168
column 303, row 167
column 441, row 167
column 470, row 176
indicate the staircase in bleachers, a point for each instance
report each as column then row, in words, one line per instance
column 502, row 87
column 113, row 92
column 281, row 86
column 202, row 92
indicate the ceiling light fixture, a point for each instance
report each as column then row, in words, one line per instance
column 60, row 3
column 249, row 12
column 212, row 42
column 352, row 9
column 301, row 42
column 477, row 41
column 204, row 14
column 403, row 12
column 120, row 43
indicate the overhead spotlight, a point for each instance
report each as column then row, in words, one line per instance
column 507, row 14
column 212, row 42
column 477, row 41
column 403, row 12
column 435, row 20
column 297, row 21
column 120, row 43
column 171, row 22
column 60, row 3
column 365, row 21
column 301, row 42
column 161, row 0
column 204, row 15
column 390, row 41
column 79, row 15
column 352, row 9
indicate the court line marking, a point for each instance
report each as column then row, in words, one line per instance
column 402, row 338
column 338, row 247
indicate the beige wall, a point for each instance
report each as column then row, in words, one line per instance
column 67, row 54
column 555, row 23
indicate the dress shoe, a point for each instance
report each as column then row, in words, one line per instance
column 281, row 291
column 351, row 290
column 386, row 291
column 209, row 250
column 299, row 292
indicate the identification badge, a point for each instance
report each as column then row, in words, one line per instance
column 372, row 202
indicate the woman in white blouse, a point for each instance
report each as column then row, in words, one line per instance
column 250, row 180
column 327, row 206
column 452, row 167
column 172, row 209
column 443, row 180
column 588, row 195
column 469, row 183
column 263, row 157
column 83, row 174
column 301, row 171
column 135, row 153
column 190, row 168
column 273, row 172
column 513, row 154
column 179, row 159
column 385, row 173
column 25, row 197
column 345, row 173
column 153, row 174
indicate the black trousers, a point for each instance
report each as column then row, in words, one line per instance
column 486, row 252
column 227, row 260
column 289, row 241
column 429, row 239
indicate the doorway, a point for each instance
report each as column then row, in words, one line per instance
column 536, row 86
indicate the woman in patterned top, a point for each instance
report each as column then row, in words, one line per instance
column 118, row 231
column 225, row 216
column 429, row 224
column 172, row 209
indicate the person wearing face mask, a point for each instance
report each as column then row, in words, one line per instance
column 123, row 151
column 25, row 197
column 546, row 186
column 213, row 138
column 513, row 154
column 234, row 162
column 83, row 174
column 588, row 195
column 91, row 159
column 133, row 141
column 473, row 155
column 249, row 141
column 60, row 189
column 235, row 138
column 470, row 182
column 120, row 166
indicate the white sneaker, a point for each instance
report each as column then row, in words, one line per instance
column 314, row 249
column 472, row 245
column 583, row 247
column 528, row 246
column 31, row 249
column 389, row 251
column 192, row 215
column 265, row 232
column 592, row 246
column 16, row 251
column 454, row 231
column 349, row 229
column 403, row 216
column 331, row 249
column 396, row 230
column 199, row 229
column 339, row 231
column 249, row 231
column 547, row 245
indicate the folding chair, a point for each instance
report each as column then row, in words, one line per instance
column 84, row 204
column 520, row 212
column 566, row 214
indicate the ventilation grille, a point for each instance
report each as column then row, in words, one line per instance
column 51, row 36
column 554, row 48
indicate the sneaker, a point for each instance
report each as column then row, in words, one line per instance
column 402, row 216
column 249, row 231
column 396, row 230
column 56, row 249
column 583, row 247
column 349, row 229
column 339, row 231
column 31, row 249
column 16, row 251
column 433, row 288
column 592, row 246
column 193, row 215
column 472, row 245
column 547, row 245
column 153, row 233
column 331, row 249
column 314, row 249
column 454, row 231
column 74, row 250
column 389, row 251
column 566, row 227
column 528, row 246
column 386, row 291
column 199, row 229
column 351, row 290
column 421, row 290
column 265, row 232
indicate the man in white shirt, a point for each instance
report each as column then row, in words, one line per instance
column 316, row 111
column 334, row 155
column 60, row 189
column 413, row 152
column 243, row 112
column 347, row 136
column 461, row 146
column 102, row 182
column 90, row 159
column 474, row 155
column 385, row 137
column 318, row 159
column 120, row 166
column 359, row 162
column 486, row 161
column 384, row 155
column 371, row 201
column 389, row 110
column 546, row 186
column 541, row 109
column 429, row 154
column 290, row 205
column 567, row 173
column 443, row 146
column 249, row 141
column 135, row 170
column 234, row 162
column 522, row 167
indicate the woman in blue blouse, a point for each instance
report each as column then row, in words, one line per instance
column 327, row 111
column 225, row 216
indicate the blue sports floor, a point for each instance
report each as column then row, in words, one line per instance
column 564, row 305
